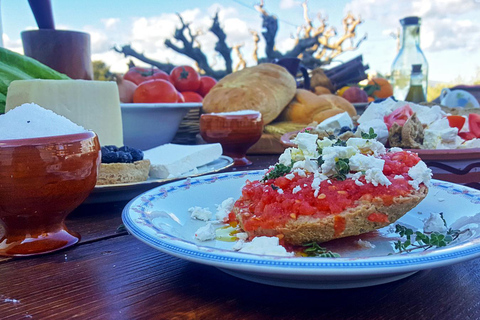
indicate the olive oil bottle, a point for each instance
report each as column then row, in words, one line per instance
column 415, row 92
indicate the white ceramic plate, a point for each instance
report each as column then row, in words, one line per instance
column 160, row 218
column 127, row 191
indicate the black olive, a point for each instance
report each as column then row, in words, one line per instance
column 124, row 157
column 109, row 157
column 137, row 154
column 344, row 129
column 111, row 148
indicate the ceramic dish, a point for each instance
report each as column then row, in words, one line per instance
column 127, row 191
column 453, row 165
column 160, row 218
column 148, row 125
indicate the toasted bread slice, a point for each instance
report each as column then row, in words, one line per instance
column 352, row 221
column 115, row 173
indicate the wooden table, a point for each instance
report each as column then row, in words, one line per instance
column 112, row 275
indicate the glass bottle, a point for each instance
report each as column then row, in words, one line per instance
column 415, row 92
column 408, row 55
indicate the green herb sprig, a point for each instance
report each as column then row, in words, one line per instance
column 370, row 135
column 424, row 241
column 342, row 168
column 278, row 171
column 313, row 249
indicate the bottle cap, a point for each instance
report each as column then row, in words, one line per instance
column 408, row 21
column 416, row 68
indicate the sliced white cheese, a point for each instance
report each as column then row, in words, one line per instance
column 172, row 160
column 336, row 122
column 93, row 105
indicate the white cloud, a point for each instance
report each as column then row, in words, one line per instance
column 443, row 27
column 110, row 23
column 288, row 4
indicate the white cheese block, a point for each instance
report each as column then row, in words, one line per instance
column 94, row 105
column 336, row 122
column 172, row 160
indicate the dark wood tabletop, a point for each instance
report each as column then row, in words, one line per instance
column 112, row 275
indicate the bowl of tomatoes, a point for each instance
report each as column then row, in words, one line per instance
column 155, row 103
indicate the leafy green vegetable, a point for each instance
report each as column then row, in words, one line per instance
column 313, row 249
column 14, row 66
column 278, row 171
column 370, row 135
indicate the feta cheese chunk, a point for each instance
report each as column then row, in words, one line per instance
column 434, row 223
column 200, row 213
column 173, row 160
column 205, row 233
column 265, row 246
column 335, row 123
column 420, row 174
column 224, row 209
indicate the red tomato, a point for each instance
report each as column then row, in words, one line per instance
column 456, row 122
column 206, row 83
column 138, row 75
column 474, row 124
column 466, row 135
column 185, row 78
column 191, row 96
column 399, row 116
column 181, row 99
column 155, row 91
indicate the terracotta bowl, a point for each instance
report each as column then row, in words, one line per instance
column 235, row 131
column 42, row 180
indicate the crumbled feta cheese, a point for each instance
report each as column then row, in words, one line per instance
column 238, row 245
column 358, row 182
column 286, row 157
column 365, row 244
column 330, row 155
column 367, row 146
column 420, row 174
column 379, row 110
column 474, row 143
column 199, row 213
column 398, row 176
column 395, row 149
column 296, row 189
column 434, row 223
column 300, row 172
column 361, row 162
column 376, row 177
column 205, row 233
column 307, row 144
column 224, row 209
column 438, row 137
column 280, row 191
column 241, row 235
column 290, row 176
column 265, row 246
column 427, row 115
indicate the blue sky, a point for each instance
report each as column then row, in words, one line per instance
column 450, row 29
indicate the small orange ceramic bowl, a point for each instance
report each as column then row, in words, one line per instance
column 235, row 131
column 42, row 180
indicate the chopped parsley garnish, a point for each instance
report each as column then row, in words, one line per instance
column 370, row 135
column 320, row 161
column 342, row 168
column 278, row 171
column 313, row 249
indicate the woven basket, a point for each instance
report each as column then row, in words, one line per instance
column 189, row 128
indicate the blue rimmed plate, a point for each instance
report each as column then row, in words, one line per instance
column 160, row 218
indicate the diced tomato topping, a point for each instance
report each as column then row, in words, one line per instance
column 399, row 116
column 456, row 122
column 466, row 135
column 273, row 203
column 474, row 124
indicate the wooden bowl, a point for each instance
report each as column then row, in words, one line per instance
column 454, row 165
column 41, row 181
column 235, row 131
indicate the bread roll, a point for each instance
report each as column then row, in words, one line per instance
column 307, row 107
column 114, row 173
column 305, row 229
column 267, row 88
